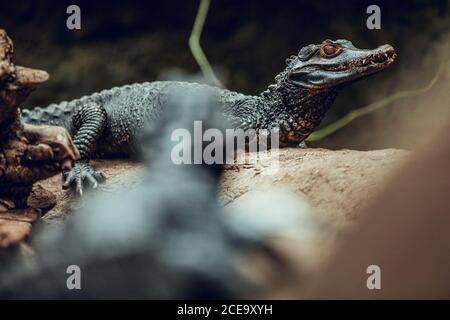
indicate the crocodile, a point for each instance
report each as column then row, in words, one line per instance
column 108, row 123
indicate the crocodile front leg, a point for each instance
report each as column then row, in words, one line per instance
column 89, row 123
column 82, row 173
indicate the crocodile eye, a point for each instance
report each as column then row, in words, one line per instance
column 329, row 50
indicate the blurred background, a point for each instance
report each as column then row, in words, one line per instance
column 247, row 43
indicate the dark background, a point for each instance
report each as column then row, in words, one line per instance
column 246, row 42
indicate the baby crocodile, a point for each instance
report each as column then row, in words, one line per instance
column 174, row 242
column 108, row 123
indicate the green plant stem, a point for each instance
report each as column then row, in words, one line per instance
column 194, row 44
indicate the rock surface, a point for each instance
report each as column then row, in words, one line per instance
column 337, row 183
column 15, row 225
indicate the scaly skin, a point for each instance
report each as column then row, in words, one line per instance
column 108, row 123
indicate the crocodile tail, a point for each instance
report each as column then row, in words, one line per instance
column 54, row 114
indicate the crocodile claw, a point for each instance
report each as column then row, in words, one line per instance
column 303, row 145
column 82, row 174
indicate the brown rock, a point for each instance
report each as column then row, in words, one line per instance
column 23, row 215
column 119, row 173
column 15, row 225
column 28, row 153
column 6, row 204
column 335, row 182
column 13, row 232
column 41, row 198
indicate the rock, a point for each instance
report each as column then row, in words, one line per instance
column 119, row 173
column 403, row 236
column 15, row 225
column 13, row 232
column 299, row 196
column 21, row 215
column 295, row 230
column 28, row 153
column 41, row 198
column 6, row 204
column 335, row 183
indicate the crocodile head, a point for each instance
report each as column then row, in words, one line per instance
column 307, row 87
column 336, row 63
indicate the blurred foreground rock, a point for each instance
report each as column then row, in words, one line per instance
column 403, row 233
